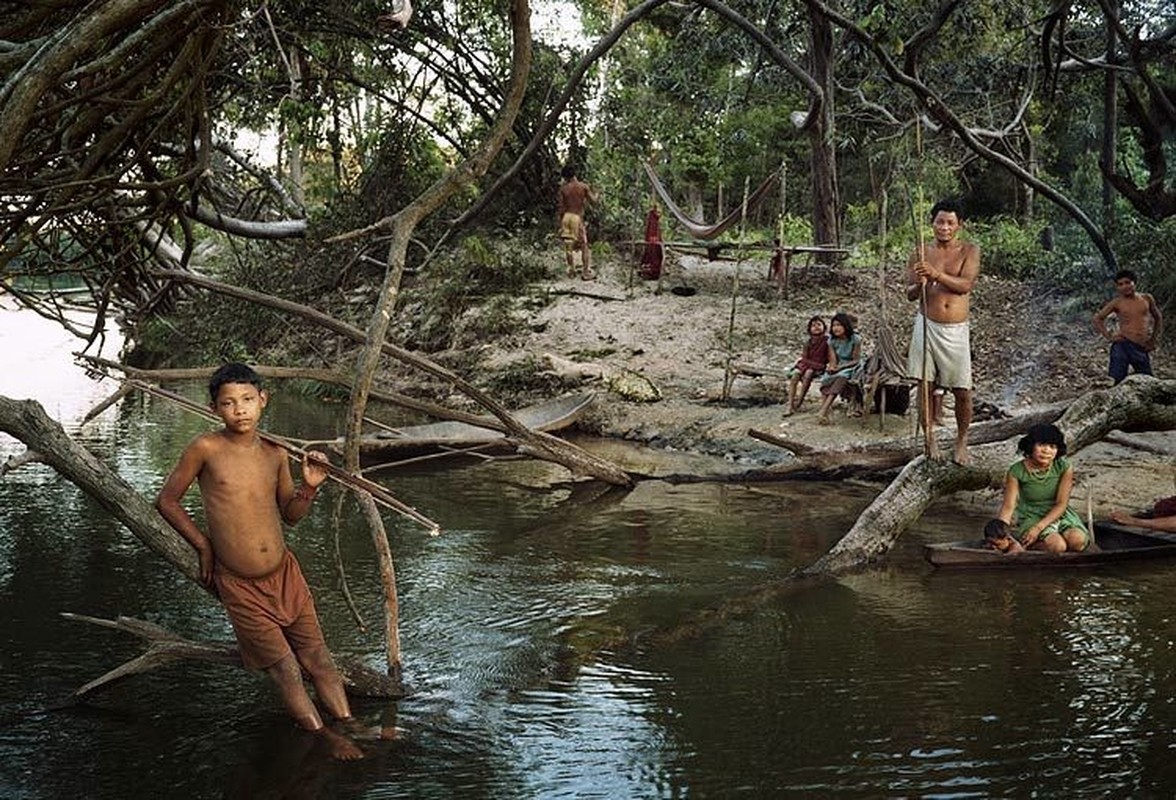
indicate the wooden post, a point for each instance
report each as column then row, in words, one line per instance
column 728, row 370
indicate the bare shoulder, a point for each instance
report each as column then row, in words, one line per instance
column 272, row 451
column 1110, row 305
column 273, row 454
column 206, row 445
column 199, row 453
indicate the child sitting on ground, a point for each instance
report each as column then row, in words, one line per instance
column 811, row 364
column 845, row 351
column 998, row 535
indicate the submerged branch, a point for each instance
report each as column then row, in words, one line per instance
column 165, row 647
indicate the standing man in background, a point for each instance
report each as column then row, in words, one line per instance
column 941, row 277
column 574, row 195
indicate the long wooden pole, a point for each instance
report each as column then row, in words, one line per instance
column 378, row 492
column 728, row 371
column 925, row 387
column 925, row 390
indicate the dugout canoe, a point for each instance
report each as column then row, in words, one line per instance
column 1113, row 543
column 413, row 440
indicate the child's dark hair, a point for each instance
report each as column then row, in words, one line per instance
column 568, row 172
column 846, row 322
column 809, row 326
column 950, row 206
column 233, row 372
column 1042, row 434
column 997, row 529
column 1125, row 273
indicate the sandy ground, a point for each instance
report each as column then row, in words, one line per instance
column 1030, row 346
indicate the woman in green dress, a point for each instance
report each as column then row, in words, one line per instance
column 1037, row 494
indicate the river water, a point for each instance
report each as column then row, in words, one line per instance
column 556, row 643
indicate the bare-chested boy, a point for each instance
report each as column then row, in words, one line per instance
column 573, row 197
column 248, row 492
column 941, row 277
column 1138, row 330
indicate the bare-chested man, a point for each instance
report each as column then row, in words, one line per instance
column 247, row 491
column 1139, row 324
column 941, row 277
column 574, row 195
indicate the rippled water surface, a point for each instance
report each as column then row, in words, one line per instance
column 576, row 642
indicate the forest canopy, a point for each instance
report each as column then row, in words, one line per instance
column 254, row 138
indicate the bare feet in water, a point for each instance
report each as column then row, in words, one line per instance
column 339, row 746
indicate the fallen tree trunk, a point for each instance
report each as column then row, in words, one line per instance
column 868, row 459
column 27, row 421
column 1139, row 403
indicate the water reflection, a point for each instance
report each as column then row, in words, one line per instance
column 531, row 640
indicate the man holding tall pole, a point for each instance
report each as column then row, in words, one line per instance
column 941, row 276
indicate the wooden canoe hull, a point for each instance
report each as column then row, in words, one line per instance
column 412, row 440
column 1113, row 544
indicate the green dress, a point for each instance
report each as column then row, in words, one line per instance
column 1037, row 495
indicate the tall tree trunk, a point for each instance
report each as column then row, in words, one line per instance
column 823, row 158
column 1110, row 122
column 295, row 132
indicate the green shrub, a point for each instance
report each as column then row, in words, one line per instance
column 439, row 303
column 1149, row 248
column 1011, row 249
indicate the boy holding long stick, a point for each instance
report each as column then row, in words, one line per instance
column 248, row 492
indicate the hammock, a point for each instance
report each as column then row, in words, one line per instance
column 700, row 230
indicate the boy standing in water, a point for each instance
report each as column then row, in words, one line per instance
column 1139, row 325
column 248, row 492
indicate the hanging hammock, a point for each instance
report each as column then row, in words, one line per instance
column 701, row 230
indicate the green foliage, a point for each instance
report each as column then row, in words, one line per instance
column 206, row 328
column 210, row 331
column 795, row 230
column 441, row 304
column 1010, row 249
column 861, row 233
column 1149, row 248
